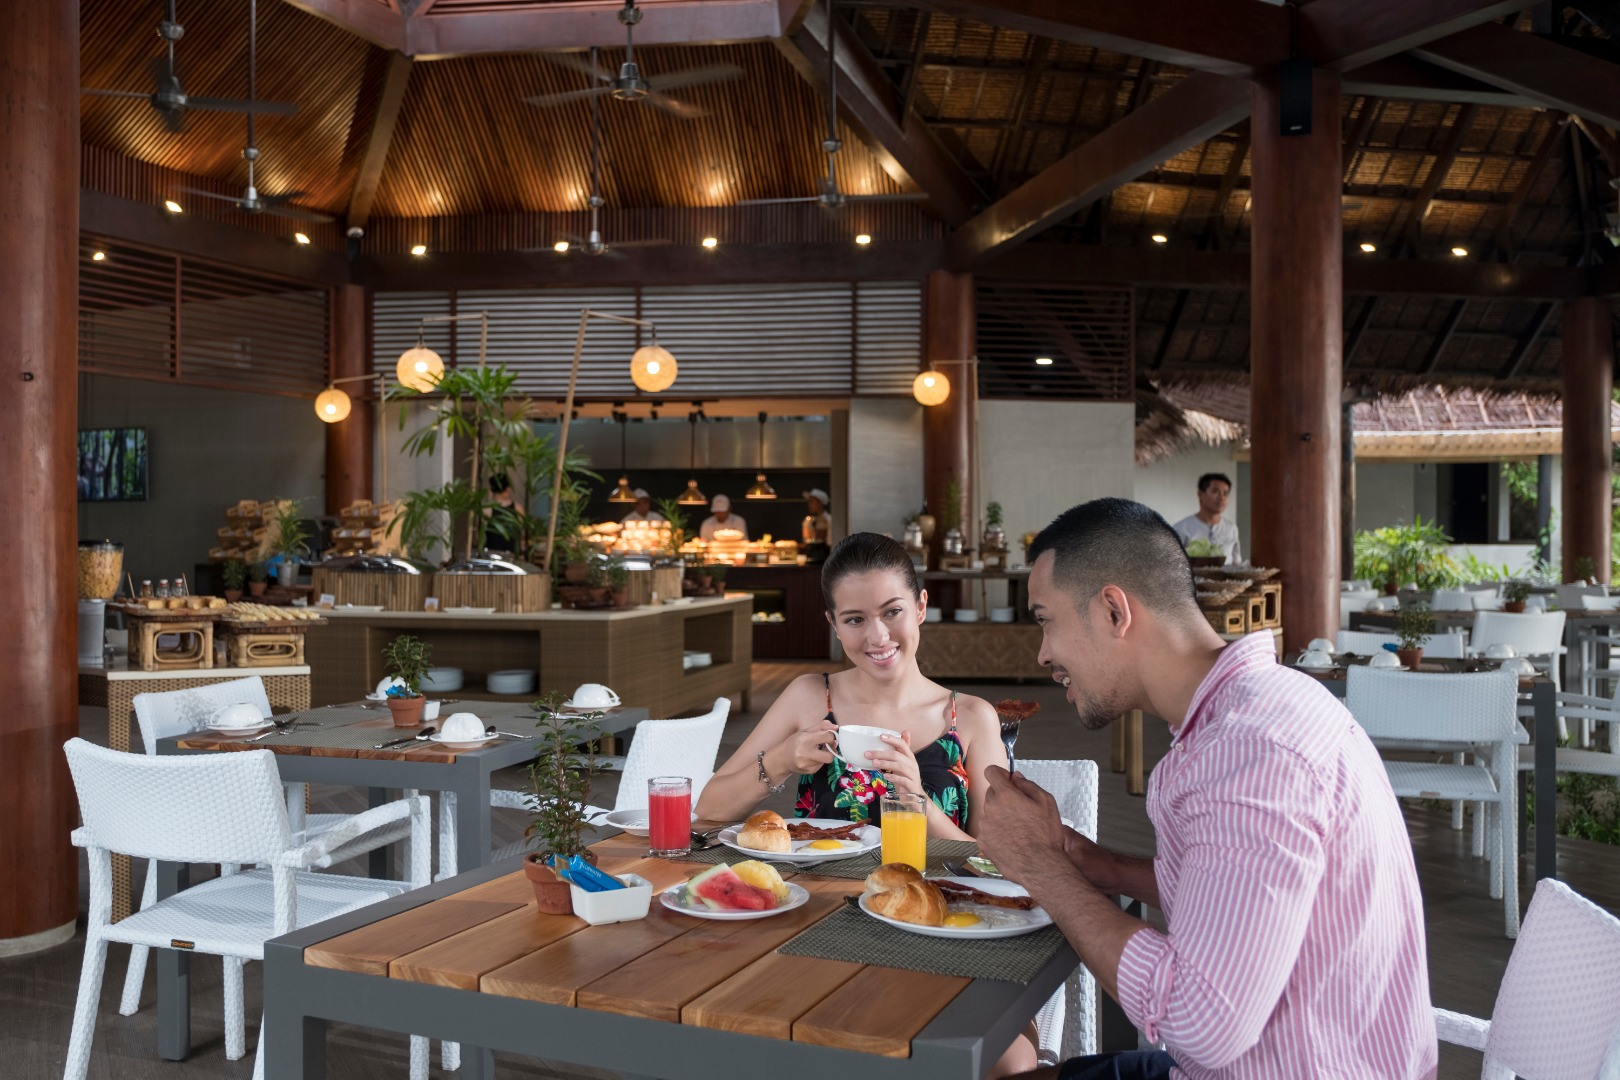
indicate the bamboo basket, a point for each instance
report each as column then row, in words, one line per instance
column 663, row 581
column 395, row 592
column 506, row 593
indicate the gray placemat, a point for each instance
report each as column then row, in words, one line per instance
column 346, row 727
column 854, row 936
column 854, row 868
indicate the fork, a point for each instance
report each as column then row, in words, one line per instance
column 282, row 727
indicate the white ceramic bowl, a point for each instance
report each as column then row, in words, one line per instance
column 515, row 681
column 1320, row 644
column 461, row 727
column 1383, row 658
column 1518, row 665
column 854, row 740
column 241, row 716
column 593, row 696
column 430, row 710
column 1003, row 614
column 1501, row 651
column 615, row 905
column 442, row 679
column 965, row 614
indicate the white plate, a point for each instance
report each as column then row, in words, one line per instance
column 679, row 599
column 461, row 744
column 1015, row 922
column 359, row 607
column 671, row 898
column 469, row 611
column 870, row 839
column 571, row 707
column 241, row 730
column 633, row 822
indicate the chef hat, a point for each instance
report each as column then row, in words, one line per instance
column 720, row 504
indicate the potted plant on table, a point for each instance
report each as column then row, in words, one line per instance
column 406, row 658
column 1514, row 594
column 1414, row 625
column 617, row 575
column 292, row 540
column 234, row 573
column 258, row 578
column 559, row 784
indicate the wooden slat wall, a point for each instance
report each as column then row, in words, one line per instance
column 789, row 340
column 1087, row 330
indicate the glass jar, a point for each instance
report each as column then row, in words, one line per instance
column 146, row 588
column 101, row 568
column 163, row 588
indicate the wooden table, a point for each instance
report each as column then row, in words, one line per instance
column 470, row 960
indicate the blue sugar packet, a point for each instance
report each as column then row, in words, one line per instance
column 588, row 877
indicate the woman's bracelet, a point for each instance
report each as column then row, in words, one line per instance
column 765, row 777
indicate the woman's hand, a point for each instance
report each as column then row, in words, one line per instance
column 805, row 751
column 897, row 764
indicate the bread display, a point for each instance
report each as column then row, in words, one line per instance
column 918, row 902
column 765, row 831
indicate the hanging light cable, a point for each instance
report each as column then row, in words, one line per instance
column 623, row 493
column 761, row 488
column 692, row 496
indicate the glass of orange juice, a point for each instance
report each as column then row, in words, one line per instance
column 904, row 821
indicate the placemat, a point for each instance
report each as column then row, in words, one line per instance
column 855, row 868
column 355, row 727
column 854, row 936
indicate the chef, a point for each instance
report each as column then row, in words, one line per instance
column 643, row 510
column 722, row 518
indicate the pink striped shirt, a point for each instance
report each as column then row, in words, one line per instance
column 1295, row 945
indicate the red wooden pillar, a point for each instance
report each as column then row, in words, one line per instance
column 1588, row 371
column 39, row 282
column 349, row 442
column 1296, row 339
column 950, row 429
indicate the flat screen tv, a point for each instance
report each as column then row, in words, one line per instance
column 112, row 464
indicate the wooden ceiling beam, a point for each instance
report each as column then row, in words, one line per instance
column 1407, row 78
column 906, row 148
column 1347, row 34
column 1526, row 342
column 571, row 27
column 1442, row 337
column 1502, row 239
column 395, row 79
column 1552, row 74
column 1446, row 153
column 379, row 25
column 1198, row 108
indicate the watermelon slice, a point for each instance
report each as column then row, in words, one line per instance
column 720, row 887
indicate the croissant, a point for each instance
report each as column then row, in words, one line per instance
column 765, row 836
column 918, row 902
column 891, row 876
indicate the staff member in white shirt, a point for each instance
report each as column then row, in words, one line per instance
column 643, row 510
column 722, row 518
column 1214, row 489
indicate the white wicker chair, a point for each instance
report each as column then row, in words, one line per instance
column 1588, row 712
column 1453, row 600
column 1568, row 941
column 1538, row 635
column 1402, row 709
column 214, row 808
column 1067, row 1024
column 1366, row 642
column 178, row 712
column 1352, row 601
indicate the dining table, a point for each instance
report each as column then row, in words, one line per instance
column 339, row 745
column 472, row 960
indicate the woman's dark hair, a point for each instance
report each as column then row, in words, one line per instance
column 499, row 482
column 862, row 553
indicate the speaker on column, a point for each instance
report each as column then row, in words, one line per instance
column 1294, row 95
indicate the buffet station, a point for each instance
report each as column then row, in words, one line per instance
column 1239, row 600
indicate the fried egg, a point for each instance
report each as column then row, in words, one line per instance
column 828, row 844
column 981, row 917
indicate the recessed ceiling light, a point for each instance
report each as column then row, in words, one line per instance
column 418, row 249
column 1044, row 361
column 1368, row 248
column 300, row 237
column 1160, row 238
column 560, row 247
column 172, row 207
column 1459, row 251
column 100, row 256
column 710, row 242
column 863, row 239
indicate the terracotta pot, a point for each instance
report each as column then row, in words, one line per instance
column 407, row 710
column 551, row 893
column 1391, row 588
column 621, row 597
column 256, row 588
column 705, row 581
column 576, row 573
column 1409, row 658
column 1515, row 606
column 233, row 595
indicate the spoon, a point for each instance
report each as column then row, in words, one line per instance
column 283, row 725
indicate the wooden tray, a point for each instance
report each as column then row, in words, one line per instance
column 168, row 614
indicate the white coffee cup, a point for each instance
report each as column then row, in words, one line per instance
column 1501, row 651
column 430, row 711
column 1518, row 665
column 1315, row 658
column 387, row 684
column 594, row 696
column 461, row 727
column 855, row 740
column 1320, row 644
column 237, row 717
column 1383, row 658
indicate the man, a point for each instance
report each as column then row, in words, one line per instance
column 1214, row 489
column 501, row 515
column 1295, row 944
column 817, row 525
column 643, row 510
column 722, row 518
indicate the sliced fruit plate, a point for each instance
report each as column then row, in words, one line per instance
column 743, row 891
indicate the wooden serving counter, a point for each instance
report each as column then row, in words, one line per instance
column 638, row 652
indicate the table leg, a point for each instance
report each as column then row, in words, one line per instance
column 1544, row 698
column 472, row 819
column 294, row 1042
column 173, row 978
column 1133, row 753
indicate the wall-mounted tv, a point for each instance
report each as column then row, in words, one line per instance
column 112, row 464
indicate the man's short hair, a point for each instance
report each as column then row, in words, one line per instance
column 1123, row 543
column 1210, row 477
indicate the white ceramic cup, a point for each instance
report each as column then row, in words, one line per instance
column 386, row 684
column 594, row 696
column 1383, row 658
column 1320, row 644
column 237, row 717
column 430, row 711
column 1315, row 658
column 1501, row 651
column 1518, row 665
column 461, row 727
column 854, row 740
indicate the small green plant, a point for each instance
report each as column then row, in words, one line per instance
column 992, row 513
column 1414, row 625
column 1516, row 592
column 675, row 514
column 560, row 776
column 292, row 537
column 950, row 515
column 1584, row 568
column 1204, row 549
column 718, row 572
column 616, row 573
column 258, row 573
column 234, row 573
column 407, row 659
column 1406, row 555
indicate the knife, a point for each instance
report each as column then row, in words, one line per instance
column 396, row 742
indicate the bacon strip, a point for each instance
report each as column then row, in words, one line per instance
column 802, row 830
column 954, row 890
column 1015, row 710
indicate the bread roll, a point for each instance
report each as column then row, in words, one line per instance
column 765, row 819
column 895, row 875
column 765, row 837
column 919, row 902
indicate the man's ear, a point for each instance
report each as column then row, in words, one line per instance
column 1117, row 604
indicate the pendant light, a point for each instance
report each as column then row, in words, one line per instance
column 692, row 496
column 332, row 405
column 419, row 368
column 931, row 388
column 623, row 493
column 652, row 368
column 761, row 489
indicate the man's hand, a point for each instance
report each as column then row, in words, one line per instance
column 1020, row 829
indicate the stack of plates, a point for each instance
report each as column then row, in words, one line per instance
column 1002, row 614
column 692, row 660
column 967, row 615
column 440, row 679
column 515, row 681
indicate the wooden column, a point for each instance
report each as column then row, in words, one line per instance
column 1588, row 371
column 950, row 429
column 1297, row 341
column 39, row 229
column 349, row 442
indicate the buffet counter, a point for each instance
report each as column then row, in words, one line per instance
column 639, row 652
column 789, row 614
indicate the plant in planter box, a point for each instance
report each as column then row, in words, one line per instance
column 292, row 538
column 1514, row 594
column 995, row 536
column 617, row 576
column 675, row 514
column 1414, row 625
column 258, row 577
column 718, row 572
column 234, row 573
column 559, row 784
column 406, row 658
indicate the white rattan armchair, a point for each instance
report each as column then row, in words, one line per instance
column 215, row 808
column 1567, row 941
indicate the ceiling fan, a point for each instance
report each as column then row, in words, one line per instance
column 253, row 202
column 631, row 85
column 171, row 101
column 830, row 197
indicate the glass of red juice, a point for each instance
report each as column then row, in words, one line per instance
column 669, row 815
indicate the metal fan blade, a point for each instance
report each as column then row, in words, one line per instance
column 574, row 63
column 909, row 196
column 284, row 197
column 567, row 97
column 695, row 77
column 682, row 109
column 641, row 243
column 174, row 120
column 774, row 202
column 301, row 215
column 116, row 93
column 260, row 108
column 212, row 195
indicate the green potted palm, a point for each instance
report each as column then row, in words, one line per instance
column 406, row 659
column 292, row 540
column 559, row 785
column 258, row 578
column 1414, row 625
column 1514, row 594
column 234, row 574
column 617, row 576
